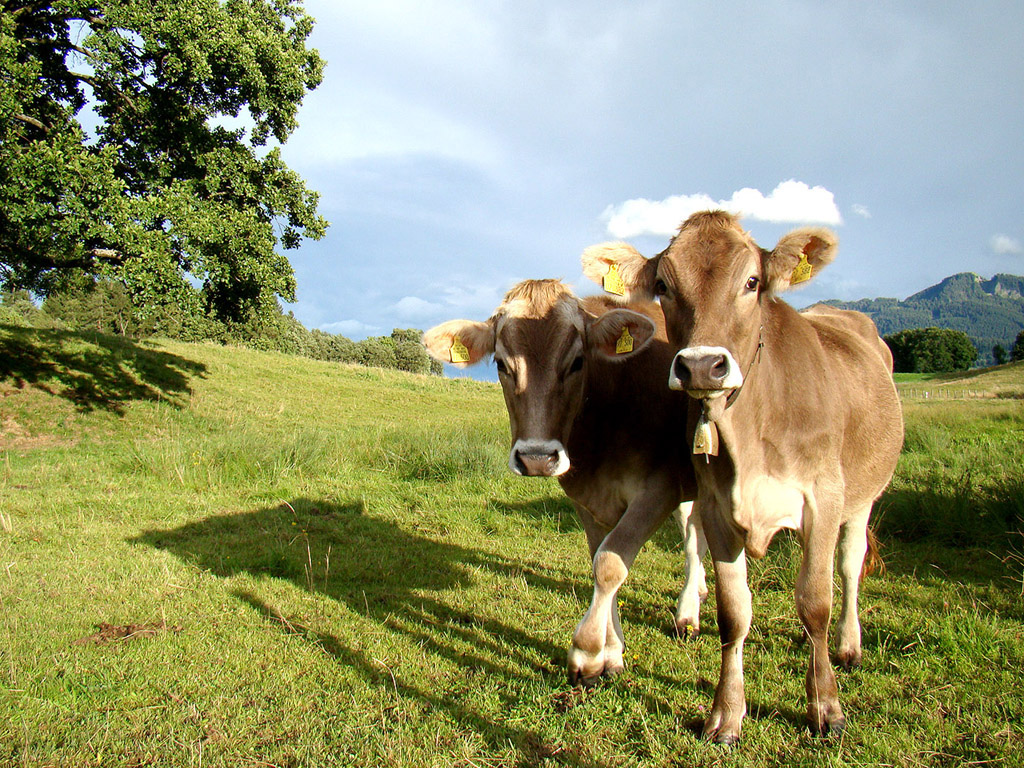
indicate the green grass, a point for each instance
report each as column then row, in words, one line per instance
column 329, row 565
column 997, row 381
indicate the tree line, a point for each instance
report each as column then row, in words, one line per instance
column 937, row 350
column 106, row 307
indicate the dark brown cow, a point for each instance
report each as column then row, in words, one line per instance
column 800, row 425
column 607, row 430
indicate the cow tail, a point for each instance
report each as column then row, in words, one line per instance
column 873, row 559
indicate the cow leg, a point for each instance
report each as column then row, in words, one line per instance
column 814, row 606
column 853, row 545
column 599, row 634
column 695, row 587
column 732, row 597
column 597, row 644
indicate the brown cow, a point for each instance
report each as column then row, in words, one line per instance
column 607, row 430
column 798, row 424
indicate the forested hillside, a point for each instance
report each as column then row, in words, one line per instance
column 989, row 311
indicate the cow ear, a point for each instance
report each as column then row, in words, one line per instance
column 621, row 269
column 460, row 342
column 799, row 256
column 620, row 333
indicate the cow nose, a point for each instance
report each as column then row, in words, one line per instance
column 536, row 464
column 718, row 368
column 680, row 373
column 704, row 368
column 538, row 458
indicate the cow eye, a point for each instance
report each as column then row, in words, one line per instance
column 752, row 283
column 660, row 289
column 500, row 365
column 577, row 365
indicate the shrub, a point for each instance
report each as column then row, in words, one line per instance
column 931, row 350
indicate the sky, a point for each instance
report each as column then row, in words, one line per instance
column 461, row 147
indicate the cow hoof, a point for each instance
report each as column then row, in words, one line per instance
column 722, row 739
column 577, row 678
column 687, row 630
column 830, row 729
column 588, row 678
column 582, row 681
column 849, row 660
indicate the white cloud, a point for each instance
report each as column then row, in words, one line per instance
column 415, row 308
column 862, row 211
column 353, row 329
column 790, row 202
column 1005, row 245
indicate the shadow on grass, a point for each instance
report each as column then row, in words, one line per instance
column 93, row 371
column 556, row 511
column 396, row 578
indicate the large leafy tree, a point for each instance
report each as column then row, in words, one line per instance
column 929, row 350
column 140, row 141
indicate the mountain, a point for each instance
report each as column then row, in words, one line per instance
column 989, row 311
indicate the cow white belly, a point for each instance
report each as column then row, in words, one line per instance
column 764, row 506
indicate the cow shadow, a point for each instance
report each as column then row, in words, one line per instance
column 93, row 371
column 398, row 579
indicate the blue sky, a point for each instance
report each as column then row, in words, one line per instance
column 461, row 147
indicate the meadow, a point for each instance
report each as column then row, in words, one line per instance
column 211, row 556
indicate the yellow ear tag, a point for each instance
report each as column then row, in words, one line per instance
column 625, row 342
column 802, row 272
column 613, row 282
column 459, row 352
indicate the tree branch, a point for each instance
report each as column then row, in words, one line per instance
column 98, row 87
column 33, row 122
column 107, row 254
column 28, row 8
column 57, row 44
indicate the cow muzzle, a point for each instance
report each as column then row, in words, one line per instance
column 538, row 458
column 704, row 372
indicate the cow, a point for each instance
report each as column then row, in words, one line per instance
column 607, row 430
column 795, row 424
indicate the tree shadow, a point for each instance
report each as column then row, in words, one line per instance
column 556, row 511
column 395, row 578
column 93, row 371
column 966, row 537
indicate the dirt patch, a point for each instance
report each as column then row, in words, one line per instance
column 109, row 633
column 13, row 436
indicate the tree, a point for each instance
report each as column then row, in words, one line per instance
column 1017, row 353
column 927, row 350
column 999, row 354
column 377, row 352
column 119, row 159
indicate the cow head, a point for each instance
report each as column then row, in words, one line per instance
column 713, row 281
column 543, row 342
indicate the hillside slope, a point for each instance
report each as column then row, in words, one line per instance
column 56, row 386
column 989, row 311
column 216, row 556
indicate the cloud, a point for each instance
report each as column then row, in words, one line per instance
column 1004, row 245
column 352, row 329
column 862, row 211
column 415, row 308
column 790, row 202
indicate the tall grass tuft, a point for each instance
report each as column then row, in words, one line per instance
column 442, row 455
column 235, row 458
column 959, row 481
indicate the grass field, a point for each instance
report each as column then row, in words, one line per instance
column 217, row 557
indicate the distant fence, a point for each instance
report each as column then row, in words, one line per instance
column 908, row 393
